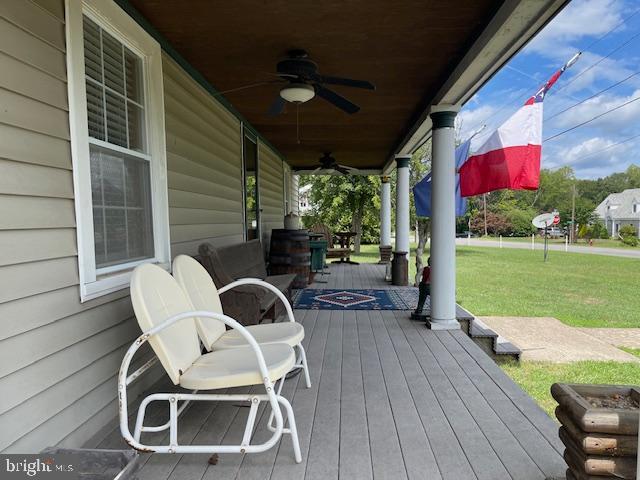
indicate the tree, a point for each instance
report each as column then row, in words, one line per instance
column 346, row 202
column 419, row 166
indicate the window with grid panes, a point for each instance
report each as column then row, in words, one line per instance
column 120, row 163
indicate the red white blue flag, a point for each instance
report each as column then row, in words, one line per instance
column 510, row 158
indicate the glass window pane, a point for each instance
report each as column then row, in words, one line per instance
column 116, row 120
column 133, row 74
column 122, row 214
column 98, row 235
column 116, row 235
column 95, row 110
column 92, row 52
column 113, row 63
column 135, row 124
column 112, row 173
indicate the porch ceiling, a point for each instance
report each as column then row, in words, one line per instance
column 408, row 50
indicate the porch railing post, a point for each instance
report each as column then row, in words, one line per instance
column 443, row 220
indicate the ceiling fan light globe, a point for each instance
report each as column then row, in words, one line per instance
column 297, row 93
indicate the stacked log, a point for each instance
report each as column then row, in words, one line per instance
column 601, row 442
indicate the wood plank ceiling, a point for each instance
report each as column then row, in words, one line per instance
column 406, row 48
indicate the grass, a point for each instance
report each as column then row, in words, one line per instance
column 536, row 378
column 579, row 290
column 632, row 351
column 597, row 242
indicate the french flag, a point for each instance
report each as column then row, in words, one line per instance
column 510, row 158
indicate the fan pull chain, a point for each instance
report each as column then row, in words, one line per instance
column 297, row 123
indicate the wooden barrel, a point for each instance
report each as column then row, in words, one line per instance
column 289, row 253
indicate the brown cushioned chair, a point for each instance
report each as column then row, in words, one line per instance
column 250, row 305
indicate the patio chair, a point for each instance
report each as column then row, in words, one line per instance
column 168, row 321
column 332, row 251
column 203, row 294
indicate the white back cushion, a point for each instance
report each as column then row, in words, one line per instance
column 156, row 296
column 203, row 294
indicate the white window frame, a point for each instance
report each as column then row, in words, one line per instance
column 95, row 282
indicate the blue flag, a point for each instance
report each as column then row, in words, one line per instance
column 422, row 190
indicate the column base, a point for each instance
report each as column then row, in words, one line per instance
column 400, row 269
column 385, row 254
column 443, row 324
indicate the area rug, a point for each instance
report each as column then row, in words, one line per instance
column 349, row 299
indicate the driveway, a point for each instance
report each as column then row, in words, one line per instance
column 539, row 245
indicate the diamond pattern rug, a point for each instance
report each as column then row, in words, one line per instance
column 350, row 299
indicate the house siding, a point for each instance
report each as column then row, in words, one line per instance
column 271, row 185
column 59, row 358
column 295, row 196
column 204, row 165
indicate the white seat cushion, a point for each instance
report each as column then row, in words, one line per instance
column 290, row 333
column 237, row 367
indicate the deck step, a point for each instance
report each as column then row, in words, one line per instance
column 497, row 347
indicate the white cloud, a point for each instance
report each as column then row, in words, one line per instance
column 591, row 157
column 615, row 122
column 579, row 20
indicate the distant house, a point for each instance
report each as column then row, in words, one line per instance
column 304, row 198
column 620, row 209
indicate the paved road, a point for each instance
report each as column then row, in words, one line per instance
column 539, row 245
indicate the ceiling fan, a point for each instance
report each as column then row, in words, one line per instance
column 303, row 82
column 328, row 162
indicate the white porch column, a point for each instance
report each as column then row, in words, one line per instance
column 443, row 220
column 400, row 266
column 385, row 220
column 385, row 212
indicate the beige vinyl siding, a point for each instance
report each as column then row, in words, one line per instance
column 294, row 197
column 203, row 163
column 271, row 185
column 58, row 358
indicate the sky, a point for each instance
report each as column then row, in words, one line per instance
column 584, row 25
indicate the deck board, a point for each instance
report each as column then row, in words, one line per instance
column 389, row 400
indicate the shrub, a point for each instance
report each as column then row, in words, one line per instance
column 631, row 241
column 627, row 231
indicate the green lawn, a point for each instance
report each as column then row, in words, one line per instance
column 579, row 290
column 536, row 378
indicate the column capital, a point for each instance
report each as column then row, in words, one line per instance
column 444, row 115
column 402, row 161
column 384, row 179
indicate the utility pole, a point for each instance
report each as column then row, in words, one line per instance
column 573, row 214
column 484, row 199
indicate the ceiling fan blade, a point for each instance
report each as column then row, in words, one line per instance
column 337, row 100
column 277, row 106
column 347, row 82
column 347, row 167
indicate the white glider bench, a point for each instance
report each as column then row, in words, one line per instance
column 171, row 325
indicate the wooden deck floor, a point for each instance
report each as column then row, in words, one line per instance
column 390, row 400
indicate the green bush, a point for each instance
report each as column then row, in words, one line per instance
column 628, row 235
column 627, row 231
